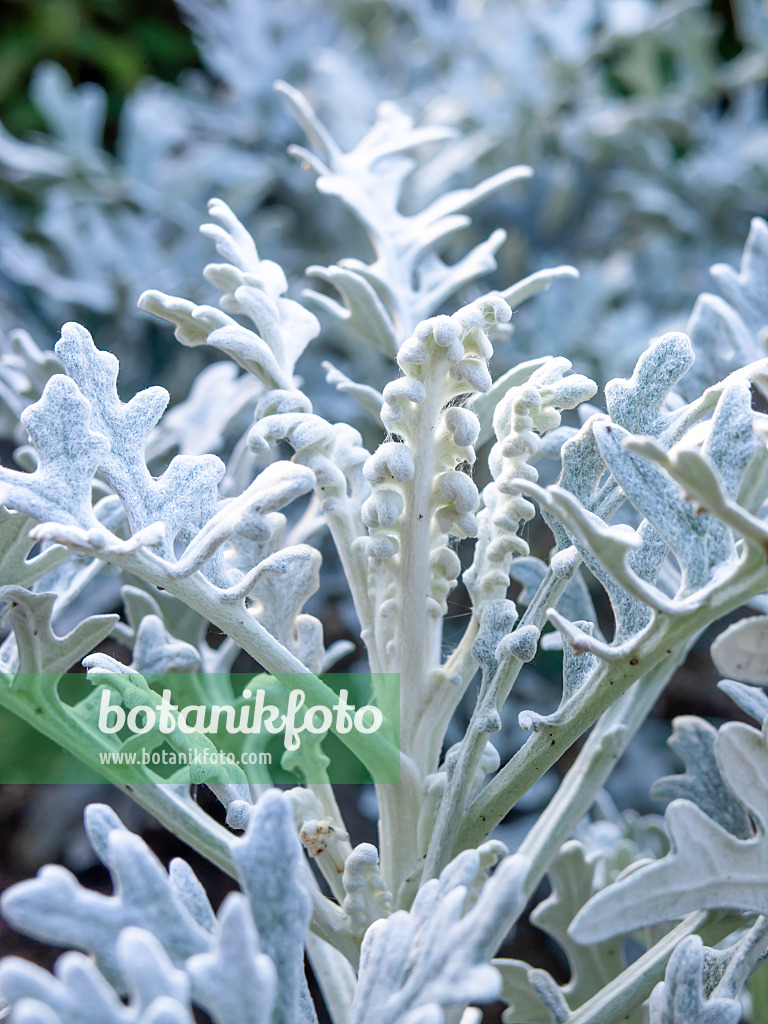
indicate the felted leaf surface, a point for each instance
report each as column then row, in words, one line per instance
column 54, row 908
column 367, row 397
column 156, row 651
column 69, row 452
column 267, row 860
column 699, row 542
column 185, row 494
column 708, row 867
column 16, row 568
column 681, row 999
column 367, row 897
column 363, row 312
column 638, row 404
column 236, row 983
column 748, row 698
column 77, row 993
column 253, row 288
column 256, row 288
column 729, row 333
column 693, row 740
column 741, row 651
column 438, row 952
column 38, row 647
column 126, row 426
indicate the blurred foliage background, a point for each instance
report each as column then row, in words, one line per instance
column 113, row 42
column 639, row 113
column 118, row 42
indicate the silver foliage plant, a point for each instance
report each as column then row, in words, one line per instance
column 660, row 501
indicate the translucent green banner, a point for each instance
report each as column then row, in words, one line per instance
column 131, row 729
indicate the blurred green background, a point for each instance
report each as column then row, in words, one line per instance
column 112, row 42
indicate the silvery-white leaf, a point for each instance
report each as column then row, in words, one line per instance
column 367, row 897
column 55, row 908
column 732, row 440
column 693, row 740
column 380, row 307
column 155, row 651
column 197, row 425
column 741, row 651
column 519, row 994
column 439, row 951
column 746, row 290
column 362, row 311
column 267, row 861
column 638, row 404
column 256, row 288
column 235, row 982
column 24, row 371
column 184, row 495
column 276, row 486
column 700, row 542
column 367, row 397
column 707, row 867
column 681, row 999
column 137, row 603
column 76, row 993
column 69, row 452
column 38, row 648
column 572, row 876
column 748, row 698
